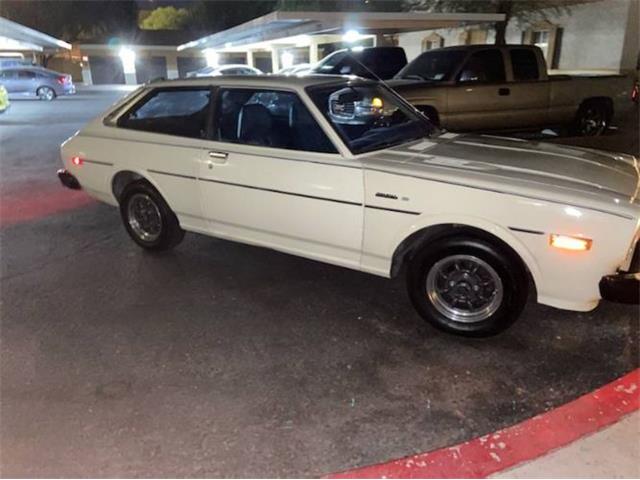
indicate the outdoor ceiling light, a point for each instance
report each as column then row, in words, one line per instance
column 287, row 59
column 351, row 36
column 128, row 58
column 212, row 57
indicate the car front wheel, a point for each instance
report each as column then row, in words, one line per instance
column 148, row 219
column 46, row 93
column 467, row 286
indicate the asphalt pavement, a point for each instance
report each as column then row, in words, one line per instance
column 219, row 359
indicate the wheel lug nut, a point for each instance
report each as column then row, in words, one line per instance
column 452, row 283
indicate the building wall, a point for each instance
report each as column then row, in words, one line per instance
column 599, row 35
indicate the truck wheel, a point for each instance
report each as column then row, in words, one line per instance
column 592, row 119
column 148, row 219
column 467, row 286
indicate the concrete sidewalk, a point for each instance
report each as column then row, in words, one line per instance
column 613, row 452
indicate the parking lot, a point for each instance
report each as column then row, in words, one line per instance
column 219, row 359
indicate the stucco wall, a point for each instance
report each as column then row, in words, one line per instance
column 598, row 35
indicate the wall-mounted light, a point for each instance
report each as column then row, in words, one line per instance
column 287, row 59
column 212, row 57
column 128, row 58
column 351, row 36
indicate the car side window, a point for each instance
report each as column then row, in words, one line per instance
column 525, row 64
column 176, row 111
column 268, row 118
column 26, row 74
column 485, row 66
column 7, row 75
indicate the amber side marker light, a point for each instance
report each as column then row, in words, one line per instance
column 565, row 242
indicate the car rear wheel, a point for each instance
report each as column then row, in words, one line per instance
column 46, row 93
column 592, row 119
column 148, row 219
column 467, row 286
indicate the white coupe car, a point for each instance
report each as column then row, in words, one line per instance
column 342, row 170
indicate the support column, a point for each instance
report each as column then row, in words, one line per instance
column 172, row 66
column 86, row 72
column 313, row 53
column 130, row 78
column 275, row 60
column 250, row 59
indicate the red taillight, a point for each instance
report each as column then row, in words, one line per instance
column 61, row 80
column 635, row 93
column 77, row 161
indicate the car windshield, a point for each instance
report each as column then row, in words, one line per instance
column 436, row 66
column 369, row 116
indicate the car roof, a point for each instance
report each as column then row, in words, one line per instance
column 268, row 81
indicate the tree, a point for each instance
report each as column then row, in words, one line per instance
column 523, row 10
column 166, row 18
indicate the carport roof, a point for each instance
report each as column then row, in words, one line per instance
column 280, row 24
column 16, row 36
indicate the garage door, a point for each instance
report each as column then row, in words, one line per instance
column 106, row 70
column 189, row 64
column 149, row 68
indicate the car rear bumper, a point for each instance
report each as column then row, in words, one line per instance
column 621, row 287
column 68, row 180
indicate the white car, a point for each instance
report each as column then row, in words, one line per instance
column 230, row 69
column 342, row 170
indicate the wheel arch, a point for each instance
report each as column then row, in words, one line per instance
column 123, row 178
column 430, row 111
column 608, row 101
column 498, row 236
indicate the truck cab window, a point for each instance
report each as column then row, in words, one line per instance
column 486, row 66
column 525, row 64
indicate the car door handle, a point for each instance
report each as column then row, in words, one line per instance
column 217, row 158
column 503, row 92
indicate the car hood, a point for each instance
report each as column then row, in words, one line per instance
column 607, row 181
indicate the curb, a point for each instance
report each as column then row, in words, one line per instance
column 506, row 448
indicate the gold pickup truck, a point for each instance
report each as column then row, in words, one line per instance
column 491, row 87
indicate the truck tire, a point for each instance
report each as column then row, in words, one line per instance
column 467, row 286
column 148, row 219
column 592, row 119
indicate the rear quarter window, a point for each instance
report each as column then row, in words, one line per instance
column 181, row 111
column 525, row 64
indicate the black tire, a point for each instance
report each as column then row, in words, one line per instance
column 162, row 237
column 505, row 264
column 593, row 118
column 46, row 94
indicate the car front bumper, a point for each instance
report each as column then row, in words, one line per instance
column 68, row 180
column 621, row 288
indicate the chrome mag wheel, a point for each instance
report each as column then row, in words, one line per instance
column 144, row 217
column 464, row 288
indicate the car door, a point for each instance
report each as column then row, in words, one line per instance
column 480, row 99
column 529, row 93
column 163, row 136
column 272, row 177
column 8, row 79
column 26, row 82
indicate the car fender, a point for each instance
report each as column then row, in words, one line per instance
column 425, row 221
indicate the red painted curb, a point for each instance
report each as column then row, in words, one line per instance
column 483, row 456
column 37, row 202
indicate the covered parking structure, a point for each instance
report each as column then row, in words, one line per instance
column 24, row 43
column 284, row 38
